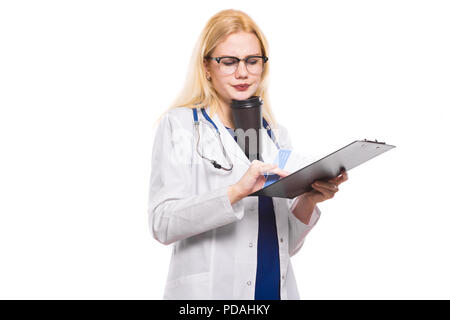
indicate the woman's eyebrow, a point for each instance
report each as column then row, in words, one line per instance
column 255, row 54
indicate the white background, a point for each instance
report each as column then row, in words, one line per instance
column 83, row 82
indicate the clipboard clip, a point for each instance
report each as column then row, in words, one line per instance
column 366, row 140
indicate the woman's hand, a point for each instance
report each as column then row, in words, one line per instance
column 324, row 190
column 253, row 180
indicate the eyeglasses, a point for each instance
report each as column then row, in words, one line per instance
column 228, row 65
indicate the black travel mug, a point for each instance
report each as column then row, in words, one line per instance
column 247, row 116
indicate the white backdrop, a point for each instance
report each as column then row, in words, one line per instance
column 83, row 82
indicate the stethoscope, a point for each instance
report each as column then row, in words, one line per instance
column 214, row 162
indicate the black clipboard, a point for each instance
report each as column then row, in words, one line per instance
column 330, row 166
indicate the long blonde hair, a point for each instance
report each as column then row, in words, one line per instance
column 197, row 90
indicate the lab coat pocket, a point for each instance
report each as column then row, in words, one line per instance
column 190, row 287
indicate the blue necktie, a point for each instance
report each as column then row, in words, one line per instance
column 267, row 286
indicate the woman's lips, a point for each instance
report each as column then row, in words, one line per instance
column 241, row 87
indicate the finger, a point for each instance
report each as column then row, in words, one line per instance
column 266, row 166
column 335, row 179
column 264, row 169
column 257, row 166
column 327, row 185
column 327, row 193
column 256, row 162
column 339, row 179
column 342, row 178
column 280, row 172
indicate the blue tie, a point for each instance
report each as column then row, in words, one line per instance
column 267, row 285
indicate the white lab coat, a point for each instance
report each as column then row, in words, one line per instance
column 214, row 252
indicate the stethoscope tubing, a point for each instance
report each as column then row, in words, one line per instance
column 213, row 162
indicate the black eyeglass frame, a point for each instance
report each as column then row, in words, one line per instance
column 238, row 60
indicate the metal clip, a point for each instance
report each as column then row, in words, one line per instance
column 374, row 141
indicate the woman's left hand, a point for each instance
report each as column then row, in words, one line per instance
column 324, row 190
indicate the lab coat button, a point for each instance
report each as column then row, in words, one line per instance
column 250, row 244
column 249, row 283
column 281, row 240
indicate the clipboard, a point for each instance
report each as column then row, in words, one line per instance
column 330, row 166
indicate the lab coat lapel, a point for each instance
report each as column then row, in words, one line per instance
column 269, row 149
column 228, row 141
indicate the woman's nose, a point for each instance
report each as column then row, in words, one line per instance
column 241, row 70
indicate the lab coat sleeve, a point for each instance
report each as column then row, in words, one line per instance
column 174, row 211
column 297, row 229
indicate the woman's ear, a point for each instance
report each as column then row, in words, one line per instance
column 206, row 65
column 207, row 69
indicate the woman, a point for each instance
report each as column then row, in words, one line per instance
column 225, row 245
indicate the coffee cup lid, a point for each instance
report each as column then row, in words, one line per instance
column 254, row 101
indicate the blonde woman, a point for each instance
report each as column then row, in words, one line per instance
column 225, row 245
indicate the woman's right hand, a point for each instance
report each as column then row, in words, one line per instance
column 253, row 180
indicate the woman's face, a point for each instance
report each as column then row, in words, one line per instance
column 240, row 45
